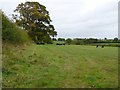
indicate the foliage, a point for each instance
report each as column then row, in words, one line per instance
column 61, row 39
column 35, row 19
column 94, row 41
column 69, row 41
column 54, row 39
column 11, row 33
column 115, row 39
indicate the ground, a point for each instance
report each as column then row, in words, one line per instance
column 52, row 66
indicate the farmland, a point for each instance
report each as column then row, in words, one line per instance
column 54, row 66
column 33, row 56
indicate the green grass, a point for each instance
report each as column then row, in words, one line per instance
column 55, row 66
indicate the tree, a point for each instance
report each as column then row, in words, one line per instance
column 61, row 39
column 54, row 39
column 115, row 39
column 69, row 41
column 35, row 19
column 91, row 40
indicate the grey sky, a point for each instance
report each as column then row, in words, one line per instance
column 78, row 18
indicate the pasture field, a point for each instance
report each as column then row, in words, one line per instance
column 54, row 66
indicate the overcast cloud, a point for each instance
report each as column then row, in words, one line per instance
column 77, row 18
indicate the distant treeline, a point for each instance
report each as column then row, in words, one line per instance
column 34, row 25
column 84, row 41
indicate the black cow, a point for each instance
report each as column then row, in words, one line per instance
column 58, row 44
column 96, row 46
column 38, row 43
column 63, row 43
column 102, row 46
column 42, row 43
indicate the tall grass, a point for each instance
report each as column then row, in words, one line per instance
column 52, row 66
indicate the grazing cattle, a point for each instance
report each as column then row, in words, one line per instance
column 63, row 43
column 37, row 43
column 58, row 44
column 96, row 46
column 42, row 43
column 102, row 46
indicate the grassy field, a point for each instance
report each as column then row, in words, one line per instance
column 51, row 66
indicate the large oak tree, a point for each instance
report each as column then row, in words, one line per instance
column 35, row 19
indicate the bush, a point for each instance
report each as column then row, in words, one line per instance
column 11, row 33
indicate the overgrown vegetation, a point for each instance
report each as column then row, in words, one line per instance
column 69, row 66
column 11, row 33
column 77, row 65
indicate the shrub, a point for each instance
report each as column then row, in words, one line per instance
column 12, row 33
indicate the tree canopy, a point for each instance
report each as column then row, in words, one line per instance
column 35, row 19
column 69, row 41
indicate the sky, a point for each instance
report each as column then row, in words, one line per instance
column 77, row 18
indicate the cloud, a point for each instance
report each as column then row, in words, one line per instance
column 78, row 18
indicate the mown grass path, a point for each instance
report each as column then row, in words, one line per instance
column 54, row 66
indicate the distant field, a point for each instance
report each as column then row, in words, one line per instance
column 52, row 66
